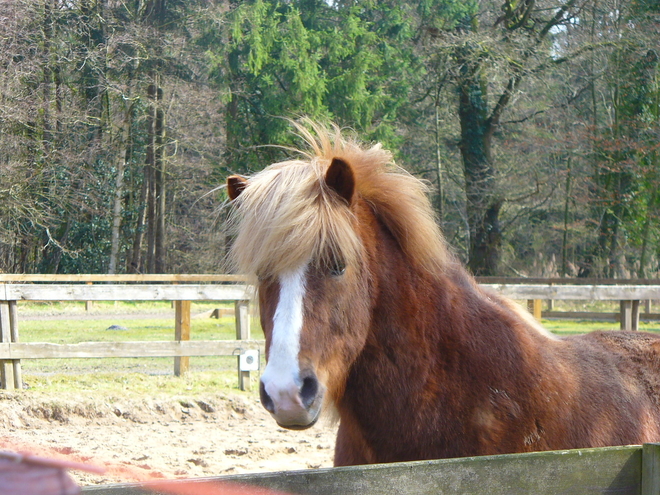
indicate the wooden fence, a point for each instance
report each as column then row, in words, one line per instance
column 629, row 293
column 632, row 470
column 182, row 289
column 176, row 288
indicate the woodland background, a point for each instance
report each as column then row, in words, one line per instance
column 536, row 123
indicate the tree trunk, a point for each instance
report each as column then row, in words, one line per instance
column 483, row 202
column 567, row 199
column 155, row 179
column 135, row 258
column 646, row 236
column 440, row 203
column 160, row 177
column 122, row 164
column 149, row 179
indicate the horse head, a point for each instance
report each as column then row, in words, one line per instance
column 313, row 313
column 308, row 229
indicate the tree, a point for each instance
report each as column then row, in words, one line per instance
column 625, row 145
column 536, row 121
column 491, row 55
column 346, row 62
column 74, row 116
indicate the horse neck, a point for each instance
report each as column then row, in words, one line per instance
column 436, row 342
column 422, row 323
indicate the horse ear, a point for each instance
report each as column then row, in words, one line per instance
column 235, row 186
column 340, row 178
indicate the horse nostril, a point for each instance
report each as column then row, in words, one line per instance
column 309, row 391
column 266, row 401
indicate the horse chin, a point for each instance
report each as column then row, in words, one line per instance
column 301, row 423
column 299, row 427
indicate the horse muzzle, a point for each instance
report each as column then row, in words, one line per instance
column 295, row 404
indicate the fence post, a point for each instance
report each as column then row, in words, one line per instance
column 13, row 330
column 6, row 365
column 89, row 304
column 629, row 315
column 242, row 316
column 181, row 332
column 534, row 307
column 650, row 469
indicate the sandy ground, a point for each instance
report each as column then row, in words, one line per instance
column 146, row 439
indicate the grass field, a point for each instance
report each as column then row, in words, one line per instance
column 69, row 323
column 141, row 321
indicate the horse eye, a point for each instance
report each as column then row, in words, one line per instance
column 337, row 268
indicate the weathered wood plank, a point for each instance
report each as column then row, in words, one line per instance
column 181, row 333
column 13, row 330
column 578, row 292
column 629, row 319
column 584, row 472
column 650, row 469
column 590, row 315
column 6, row 366
column 31, row 350
column 212, row 277
column 534, row 307
column 566, row 281
column 10, row 277
column 119, row 292
column 233, row 292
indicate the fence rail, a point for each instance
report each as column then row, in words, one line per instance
column 121, row 292
column 102, row 278
column 565, row 281
column 632, row 470
column 629, row 296
column 156, row 348
column 578, row 292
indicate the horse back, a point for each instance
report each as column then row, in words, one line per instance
column 633, row 352
column 636, row 355
column 615, row 391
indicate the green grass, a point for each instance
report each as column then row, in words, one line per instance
column 70, row 323
column 50, row 308
column 576, row 327
column 135, row 385
column 82, row 330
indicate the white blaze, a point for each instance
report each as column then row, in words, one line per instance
column 281, row 378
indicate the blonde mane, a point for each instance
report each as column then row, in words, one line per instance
column 287, row 216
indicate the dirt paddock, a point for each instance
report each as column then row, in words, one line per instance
column 146, row 439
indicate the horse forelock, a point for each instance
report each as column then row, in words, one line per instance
column 287, row 216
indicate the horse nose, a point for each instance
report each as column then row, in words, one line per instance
column 309, row 391
column 294, row 405
column 266, row 401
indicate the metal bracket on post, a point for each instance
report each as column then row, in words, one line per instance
column 249, row 360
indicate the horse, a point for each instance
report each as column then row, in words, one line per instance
column 368, row 314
